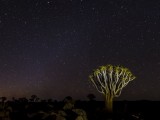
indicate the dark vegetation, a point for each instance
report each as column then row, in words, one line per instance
column 69, row 109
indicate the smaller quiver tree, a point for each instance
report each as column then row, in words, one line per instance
column 110, row 80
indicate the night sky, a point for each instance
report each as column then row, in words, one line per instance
column 49, row 47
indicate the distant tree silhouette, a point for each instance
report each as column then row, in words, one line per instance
column 23, row 99
column 110, row 80
column 34, row 98
column 50, row 100
column 3, row 99
column 91, row 97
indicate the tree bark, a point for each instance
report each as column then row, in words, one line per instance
column 109, row 104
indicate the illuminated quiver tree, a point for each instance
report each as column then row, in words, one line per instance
column 110, row 80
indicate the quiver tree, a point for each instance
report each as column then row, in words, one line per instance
column 110, row 80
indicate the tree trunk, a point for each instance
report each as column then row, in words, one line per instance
column 109, row 104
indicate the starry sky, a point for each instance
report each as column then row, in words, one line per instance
column 49, row 47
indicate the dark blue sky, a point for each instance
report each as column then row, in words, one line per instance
column 49, row 47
